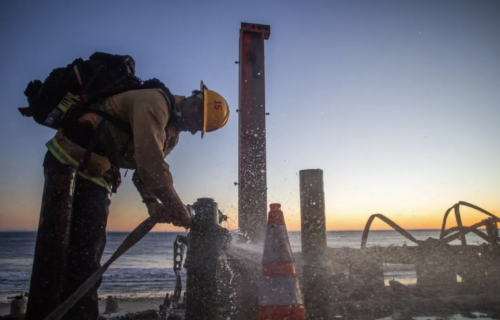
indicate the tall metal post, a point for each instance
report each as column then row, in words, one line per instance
column 313, row 234
column 49, row 263
column 252, row 192
column 205, row 242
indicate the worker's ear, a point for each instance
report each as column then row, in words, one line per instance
column 192, row 105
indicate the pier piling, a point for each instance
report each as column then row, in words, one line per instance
column 316, row 274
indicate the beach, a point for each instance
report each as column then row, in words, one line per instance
column 138, row 304
column 129, row 304
column 142, row 276
column 146, row 268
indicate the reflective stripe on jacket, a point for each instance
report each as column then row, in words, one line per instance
column 65, row 158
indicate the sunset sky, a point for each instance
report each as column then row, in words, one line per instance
column 397, row 101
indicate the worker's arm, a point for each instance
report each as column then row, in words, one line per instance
column 149, row 117
column 156, row 209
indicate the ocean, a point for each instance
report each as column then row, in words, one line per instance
column 146, row 269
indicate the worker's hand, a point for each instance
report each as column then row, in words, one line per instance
column 181, row 217
column 158, row 212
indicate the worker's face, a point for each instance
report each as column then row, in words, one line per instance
column 192, row 115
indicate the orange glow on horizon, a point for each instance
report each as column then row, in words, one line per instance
column 126, row 220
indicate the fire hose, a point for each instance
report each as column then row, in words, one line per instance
column 128, row 243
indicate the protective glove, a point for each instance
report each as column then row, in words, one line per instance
column 181, row 217
column 158, row 212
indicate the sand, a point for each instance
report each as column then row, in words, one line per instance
column 147, row 303
column 4, row 309
column 134, row 304
column 126, row 305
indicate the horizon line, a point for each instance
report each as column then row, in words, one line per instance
column 123, row 231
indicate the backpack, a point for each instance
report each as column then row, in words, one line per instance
column 79, row 84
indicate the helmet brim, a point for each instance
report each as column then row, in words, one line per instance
column 203, row 89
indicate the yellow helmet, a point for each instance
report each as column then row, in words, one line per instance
column 216, row 110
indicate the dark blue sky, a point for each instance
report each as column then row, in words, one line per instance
column 397, row 101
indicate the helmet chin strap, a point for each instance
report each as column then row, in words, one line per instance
column 177, row 107
column 198, row 94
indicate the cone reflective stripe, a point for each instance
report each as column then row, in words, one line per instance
column 279, row 296
column 277, row 245
column 281, row 313
column 277, row 269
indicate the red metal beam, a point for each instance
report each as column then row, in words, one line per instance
column 252, row 191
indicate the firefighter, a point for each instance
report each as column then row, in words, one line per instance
column 155, row 120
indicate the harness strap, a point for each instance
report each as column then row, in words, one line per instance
column 92, row 144
column 122, row 124
column 64, row 158
column 94, row 140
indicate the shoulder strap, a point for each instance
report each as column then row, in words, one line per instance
column 92, row 144
column 122, row 124
column 157, row 84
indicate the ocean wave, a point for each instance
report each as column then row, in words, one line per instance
column 13, row 276
column 128, row 277
column 115, row 281
column 147, row 267
column 134, row 272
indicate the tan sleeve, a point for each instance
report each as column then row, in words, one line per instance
column 141, row 187
column 149, row 116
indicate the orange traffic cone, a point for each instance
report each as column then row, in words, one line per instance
column 279, row 295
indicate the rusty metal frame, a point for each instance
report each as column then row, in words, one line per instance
column 460, row 229
column 252, row 170
column 391, row 223
column 446, row 235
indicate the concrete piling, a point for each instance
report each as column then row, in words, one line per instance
column 18, row 306
column 492, row 229
column 312, row 214
column 434, row 267
column 111, row 305
column 315, row 272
